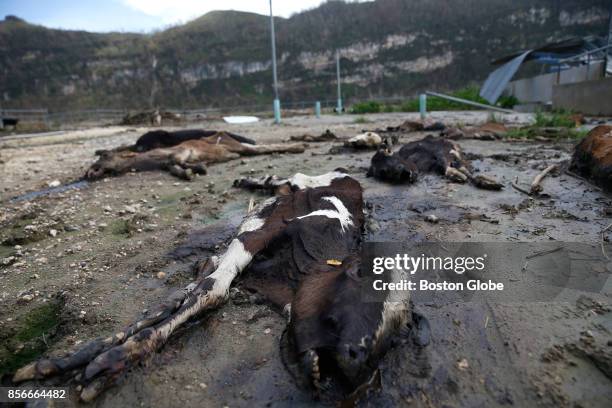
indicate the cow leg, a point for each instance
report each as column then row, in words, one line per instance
column 268, row 184
column 486, row 182
column 181, row 172
column 50, row 367
column 252, row 150
column 197, row 168
column 462, row 175
column 107, row 359
column 455, row 175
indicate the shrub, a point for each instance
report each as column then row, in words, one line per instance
column 361, row 119
column 508, row 101
column 366, row 107
column 554, row 119
column 469, row 93
column 493, row 118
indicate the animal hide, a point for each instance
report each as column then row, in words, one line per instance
column 592, row 158
column 428, row 155
column 183, row 159
column 301, row 251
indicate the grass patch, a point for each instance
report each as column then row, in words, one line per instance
column 120, row 227
column 433, row 103
column 508, row 101
column 16, row 234
column 168, row 206
column 555, row 119
column 531, row 132
column 439, row 104
column 366, row 107
column 361, row 119
column 30, row 338
column 6, row 251
column 493, row 118
column 128, row 227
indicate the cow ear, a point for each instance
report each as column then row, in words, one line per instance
column 282, row 190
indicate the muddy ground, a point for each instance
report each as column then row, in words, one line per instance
column 81, row 263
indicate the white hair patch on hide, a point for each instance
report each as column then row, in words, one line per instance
column 251, row 224
column 341, row 213
column 302, row 181
column 395, row 309
column 232, row 262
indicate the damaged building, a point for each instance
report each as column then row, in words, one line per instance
column 574, row 74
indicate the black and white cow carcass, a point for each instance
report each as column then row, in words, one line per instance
column 428, row 155
column 183, row 153
column 300, row 250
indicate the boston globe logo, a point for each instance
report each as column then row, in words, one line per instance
column 504, row 272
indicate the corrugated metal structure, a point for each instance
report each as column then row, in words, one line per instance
column 556, row 58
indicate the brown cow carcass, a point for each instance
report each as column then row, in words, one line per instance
column 182, row 157
column 592, row 158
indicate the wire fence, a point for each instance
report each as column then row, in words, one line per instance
column 51, row 118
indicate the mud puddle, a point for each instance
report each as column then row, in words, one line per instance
column 77, row 185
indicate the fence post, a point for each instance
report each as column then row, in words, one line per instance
column 318, row 110
column 423, row 105
column 588, row 66
column 277, row 111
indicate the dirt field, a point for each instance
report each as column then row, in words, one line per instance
column 84, row 262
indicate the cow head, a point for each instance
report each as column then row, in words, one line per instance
column 102, row 167
column 112, row 163
column 338, row 337
column 391, row 167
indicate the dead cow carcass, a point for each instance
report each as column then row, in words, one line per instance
column 162, row 138
column 326, row 136
column 592, row 157
column 154, row 118
column 10, row 122
column 183, row 159
column 428, row 155
column 300, row 251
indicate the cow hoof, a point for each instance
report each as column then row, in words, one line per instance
column 199, row 169
column 487, row 183
column 189, row 175
column 455, row 175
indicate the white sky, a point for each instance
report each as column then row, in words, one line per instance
column 173, row 11
column 137, row 15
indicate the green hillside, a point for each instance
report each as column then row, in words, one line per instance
column 388, row 48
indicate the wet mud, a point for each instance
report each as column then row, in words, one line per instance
column 121, row 245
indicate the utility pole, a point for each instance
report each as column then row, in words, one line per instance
column 277, row 112
column 339, row 107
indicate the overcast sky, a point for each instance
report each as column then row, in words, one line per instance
column 135, row 15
